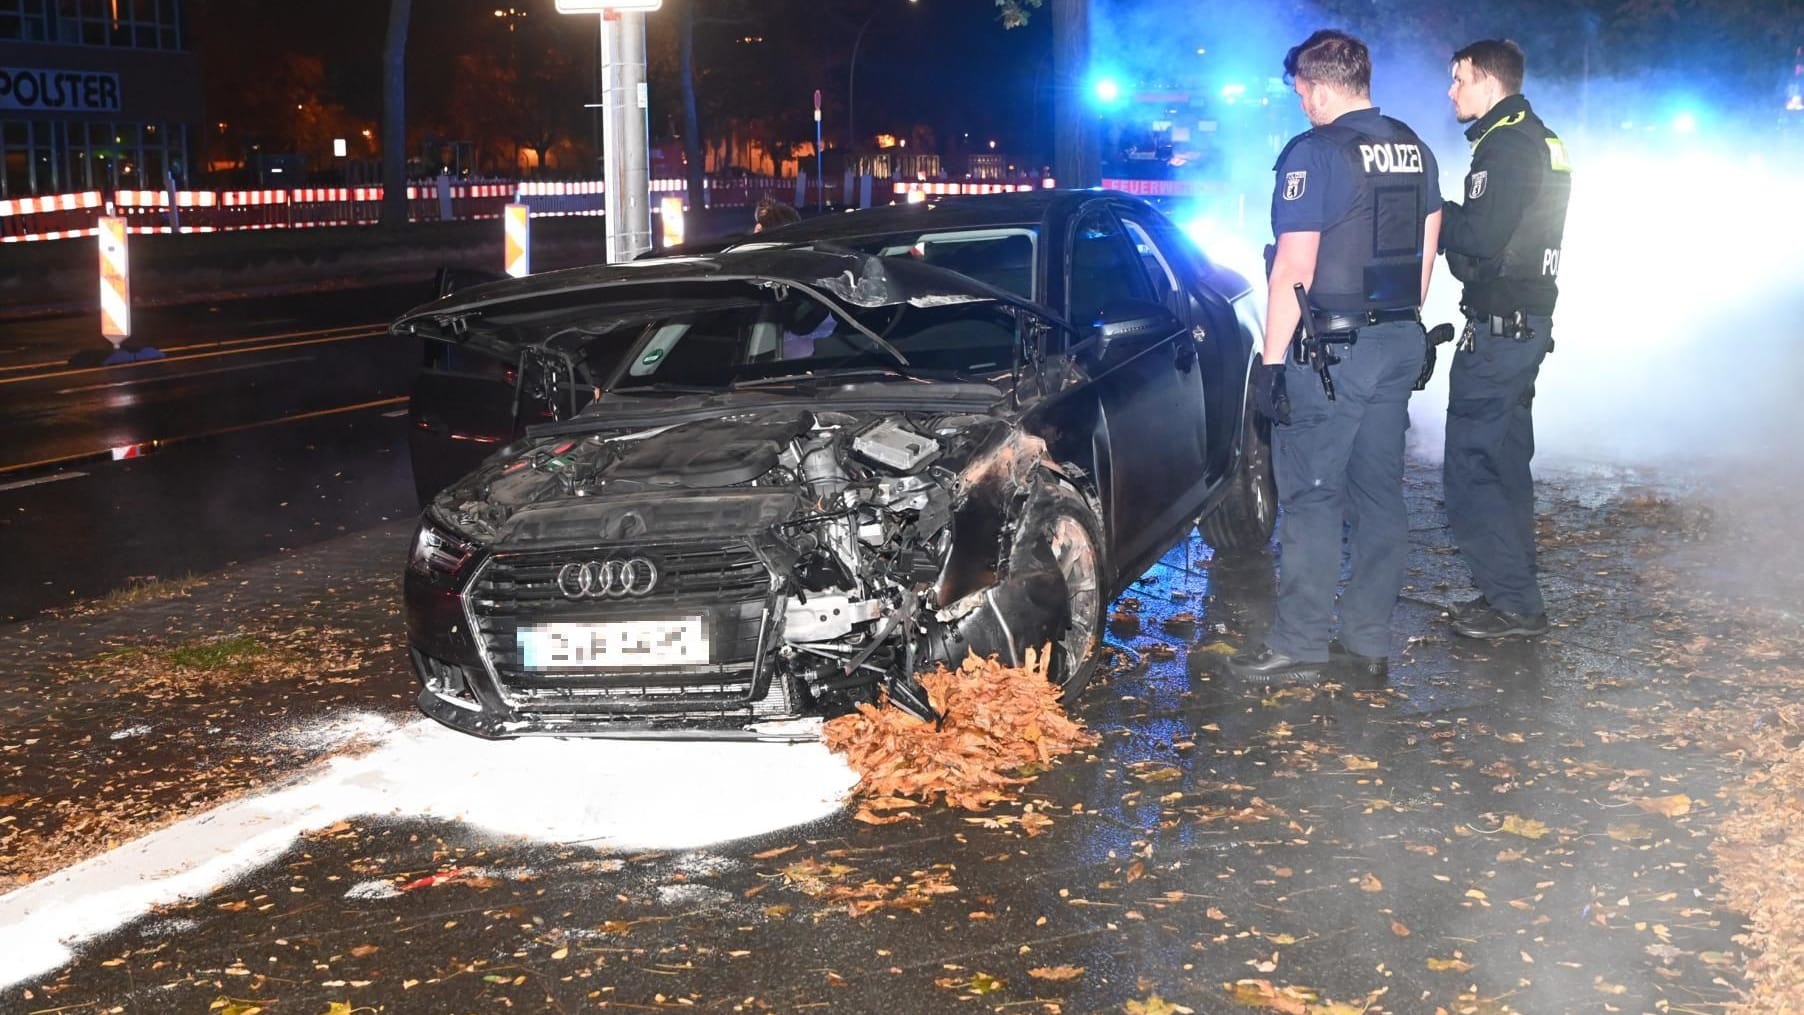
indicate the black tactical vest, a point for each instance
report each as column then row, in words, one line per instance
column 1523, row 276
column 1372, row 258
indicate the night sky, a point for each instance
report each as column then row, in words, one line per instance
column 947, row 65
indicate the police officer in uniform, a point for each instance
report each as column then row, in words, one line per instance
column 1355, row 208
column 1503, row 242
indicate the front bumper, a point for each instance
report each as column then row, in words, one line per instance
column 505, row 726
column 465, row 651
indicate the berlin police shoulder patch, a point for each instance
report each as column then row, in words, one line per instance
column 1294, row 184
column 1475, row 188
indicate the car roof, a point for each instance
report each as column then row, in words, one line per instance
column 847, row 277
column 1045, row 207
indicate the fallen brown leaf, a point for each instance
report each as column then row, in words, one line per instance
column 1154, row 1005
column 1669, row 806
column 1528, row 828
column 998, row 720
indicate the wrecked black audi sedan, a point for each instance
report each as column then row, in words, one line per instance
column 785, row 479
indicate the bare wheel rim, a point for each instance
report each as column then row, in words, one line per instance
column 1075, row 553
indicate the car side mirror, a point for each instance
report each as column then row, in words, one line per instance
column 1132, row 324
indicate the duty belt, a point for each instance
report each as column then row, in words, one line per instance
column 1511, row 325
column 1328, row 322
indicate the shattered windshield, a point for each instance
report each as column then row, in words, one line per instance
column 793, row 335
column 1001, row 256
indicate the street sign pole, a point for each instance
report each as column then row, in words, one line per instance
column 626, row 164
column 820, row 174
column 625, row 174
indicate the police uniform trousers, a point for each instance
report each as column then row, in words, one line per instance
column 1489, row 491
column 1339, row 467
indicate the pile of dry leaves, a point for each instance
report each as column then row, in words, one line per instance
column 997, row 721
column 1762, row 862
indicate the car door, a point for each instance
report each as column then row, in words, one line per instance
column 1224, row 341
column 471, row 397
column 1213, row 333
column 1146, row 390
column 461, row 408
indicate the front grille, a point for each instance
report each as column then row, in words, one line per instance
column 527, row 582
column 725, row 584
column 731, row 693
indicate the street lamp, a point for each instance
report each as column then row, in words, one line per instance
column 852, row 82
column 626, row 187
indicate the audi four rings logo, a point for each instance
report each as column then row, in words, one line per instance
column 612, row 579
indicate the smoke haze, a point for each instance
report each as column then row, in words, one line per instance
column 1680, row 327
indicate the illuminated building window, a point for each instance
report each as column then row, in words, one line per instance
column 134, row 24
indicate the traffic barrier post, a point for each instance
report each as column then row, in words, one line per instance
column 670, row 211
column 115, row 281
column 517, row 232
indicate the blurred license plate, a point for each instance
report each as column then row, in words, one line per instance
column 626, row 644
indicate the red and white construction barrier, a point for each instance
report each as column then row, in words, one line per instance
column 62, row 216
column 906, row 188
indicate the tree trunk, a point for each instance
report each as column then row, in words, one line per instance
column 1074, row 143
column 692, row 127
column 394, row 115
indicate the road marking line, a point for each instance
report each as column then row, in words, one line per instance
column 392, row 415
column 23, row 483
column 183, row 359
column 219, row 343
column 183, row 376
column 161, row 441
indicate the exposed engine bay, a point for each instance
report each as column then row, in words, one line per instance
column 888, row 540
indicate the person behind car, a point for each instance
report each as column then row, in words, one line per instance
column 1355, row 209
column 771, row 213
column 1503, row 242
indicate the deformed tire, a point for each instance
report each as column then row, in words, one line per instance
column 1062, row 532
column 1244, row 519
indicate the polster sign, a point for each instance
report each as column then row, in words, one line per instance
column 77, row 91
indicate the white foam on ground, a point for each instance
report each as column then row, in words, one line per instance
column 337, row 731
column 373, row 890
column 609, row 794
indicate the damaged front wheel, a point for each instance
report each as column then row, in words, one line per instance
column 1068, row 537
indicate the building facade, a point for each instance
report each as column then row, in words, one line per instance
column 95, row 95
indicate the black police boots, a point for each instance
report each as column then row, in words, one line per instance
column 1468, row 608
column 1269, row 668
column 1493, row 624
column 1372, row 668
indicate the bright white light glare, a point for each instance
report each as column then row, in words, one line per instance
column 1733, row 255
column 1107, row 90
column 1232, row 92
column 1684, row 123
column 1221, row 244
column 598, row 6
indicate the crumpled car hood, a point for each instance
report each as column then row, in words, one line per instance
column 718, row 473
column 850, row 278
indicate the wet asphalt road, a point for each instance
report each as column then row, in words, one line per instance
column 1473, row 837
column 270, row 424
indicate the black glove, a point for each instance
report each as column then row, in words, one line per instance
column 1436, row 335
column 1269, row 395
